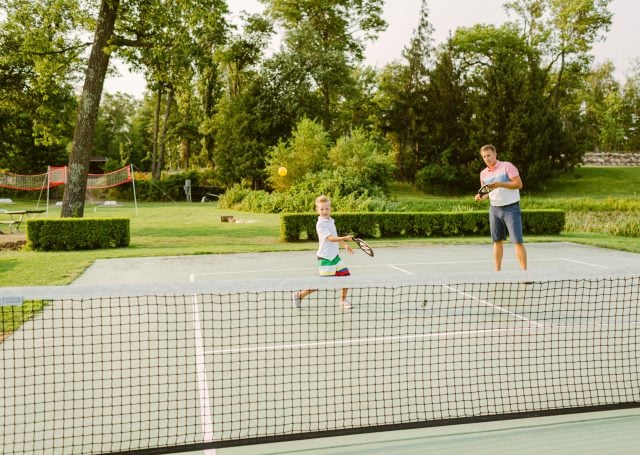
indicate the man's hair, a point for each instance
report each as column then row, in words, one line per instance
column 322, row 199
column 488, row 147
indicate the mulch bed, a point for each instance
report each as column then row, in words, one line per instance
column 12, row 241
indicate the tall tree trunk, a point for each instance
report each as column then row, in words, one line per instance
column 163, row 136
column 185, row 153
column 209, row 104
column 84, row 132
column 156, row 133
column 326, row 107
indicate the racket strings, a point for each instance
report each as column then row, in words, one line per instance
column 364, row 246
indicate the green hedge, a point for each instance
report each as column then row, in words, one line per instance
column 77, row 233
column 296, row 226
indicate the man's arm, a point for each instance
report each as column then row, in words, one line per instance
column 514, row 184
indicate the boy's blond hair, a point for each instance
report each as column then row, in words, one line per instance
column 322, row 199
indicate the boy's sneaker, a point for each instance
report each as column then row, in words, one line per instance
column 345, row 304
column 297, row 301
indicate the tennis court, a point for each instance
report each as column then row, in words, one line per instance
column 393, row 262
column 207, row 352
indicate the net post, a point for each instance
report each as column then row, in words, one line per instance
column 133, row 185
column 48, row 181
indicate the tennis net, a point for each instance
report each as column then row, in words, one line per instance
column 131, row 369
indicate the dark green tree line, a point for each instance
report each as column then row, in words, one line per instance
column 218, row 98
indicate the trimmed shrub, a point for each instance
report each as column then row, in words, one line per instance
column 298, row 226
column 65, row 234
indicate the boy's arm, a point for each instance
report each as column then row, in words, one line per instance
column 334, row 238
column 342, row 240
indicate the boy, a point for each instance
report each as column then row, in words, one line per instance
column 329, row 262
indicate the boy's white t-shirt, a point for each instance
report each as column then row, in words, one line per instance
column 326, row 227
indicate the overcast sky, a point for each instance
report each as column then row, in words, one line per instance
column 621, row 45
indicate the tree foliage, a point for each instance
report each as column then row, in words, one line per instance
column 38, row 59
column 221, row 96
column 321, row 43
column 403, row 100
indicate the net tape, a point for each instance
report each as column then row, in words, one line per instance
column 191, row 368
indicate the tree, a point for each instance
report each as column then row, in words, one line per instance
column 174, row 43
column 403, row 101
column 358, row 108
column 563, row 32
column 364, row 156
column 601, row 104
column 37, row 55
column 506, row 90
column 324, row 38
column 113, row 131
column 448, row 159
column 152, row 35
column 233, row 122
column 240, row 154
column 83, row 135
column 631, row 109
column 305, row 152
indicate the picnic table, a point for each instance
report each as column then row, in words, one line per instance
column 16, row 218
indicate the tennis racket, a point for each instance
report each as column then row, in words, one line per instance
column 485, row 189
column 364, row 246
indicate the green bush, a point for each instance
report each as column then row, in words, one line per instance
column 297, row 226
column 303, row 153
column 445, row 179
column 65, row 234
column 543, row 221
column 424, row 224
column 347, row 191
column 362, row 155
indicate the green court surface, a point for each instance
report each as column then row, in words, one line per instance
column 611, row 432
column 203, row 352
column 388, row 262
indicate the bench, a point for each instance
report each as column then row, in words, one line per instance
column 13, row 225
column 17, row 217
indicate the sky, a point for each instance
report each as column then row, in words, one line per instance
column 621, row 44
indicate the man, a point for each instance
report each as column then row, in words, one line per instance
column 504, row 212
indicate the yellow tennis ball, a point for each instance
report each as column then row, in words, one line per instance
column 282, row 171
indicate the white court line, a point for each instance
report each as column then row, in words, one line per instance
column 322, row 344
column 399, row 338
column 395, row 265
column 401, row 270
column 585, row 263
column 205, row 402
column 515, row 315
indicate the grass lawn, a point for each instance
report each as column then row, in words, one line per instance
column 170, row 229
column 158, row 229
column 595, row 182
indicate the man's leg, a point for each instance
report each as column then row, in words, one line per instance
column 521, row 255
column 513, row 221
column 498, row 252
column 498, row 235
